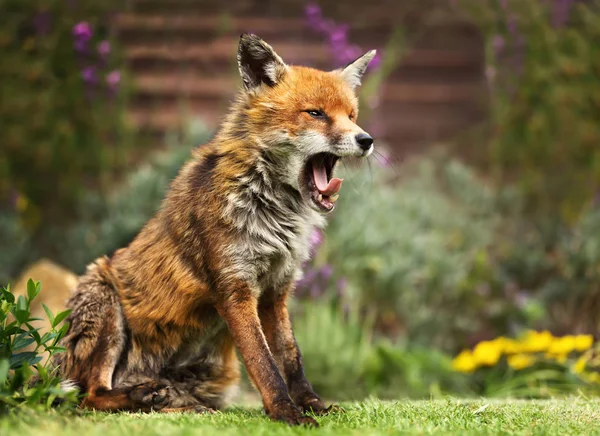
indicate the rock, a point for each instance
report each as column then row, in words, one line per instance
column 56, row 282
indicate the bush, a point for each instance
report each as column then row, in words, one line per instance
column 25, row 379
column 345, row 360
column 543, row 65
column 106, row 222
column 62, row 109
column 537, row 365
column 424, row 253
column 111, row 222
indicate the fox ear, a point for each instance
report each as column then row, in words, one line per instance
column 258, row 62
column 354, row 71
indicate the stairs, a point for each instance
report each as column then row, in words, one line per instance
column 181, row 54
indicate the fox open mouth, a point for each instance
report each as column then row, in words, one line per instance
column 322, row 187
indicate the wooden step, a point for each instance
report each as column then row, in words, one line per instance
column 150, row 29
column 424, row 120
column 191, row 85
column 274, row 9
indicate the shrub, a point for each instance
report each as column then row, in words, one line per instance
column 425, row 253
column 62, row 109
column 106, row 222
column 543, row 65
column 25, row 380
column 344, row 359
column 537, row 364
column 111, row 222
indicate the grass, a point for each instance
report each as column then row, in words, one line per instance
column 372, row 417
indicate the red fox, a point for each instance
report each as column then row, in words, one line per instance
column 155, row 327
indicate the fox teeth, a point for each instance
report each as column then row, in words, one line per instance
column 320, row 197
column 334, row 198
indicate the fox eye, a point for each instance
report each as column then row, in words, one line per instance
column 315, row 113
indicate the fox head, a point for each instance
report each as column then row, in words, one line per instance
column 304, row 118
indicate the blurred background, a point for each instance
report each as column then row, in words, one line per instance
column 463, row 259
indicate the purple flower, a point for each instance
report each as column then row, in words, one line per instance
column 326, row 271
column 82, row 32
column 376, row 61
column 315, row 291
column 338, row 37
column 104, row 48
column 511, row 24
column 88, row 74
column 315, row 239
column 42, row 22
column 562, row 11
column 352, row 53
column 113, row 79
column 498, row 44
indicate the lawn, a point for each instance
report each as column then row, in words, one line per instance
column 461, row 417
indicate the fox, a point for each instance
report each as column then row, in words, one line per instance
column 156, row 326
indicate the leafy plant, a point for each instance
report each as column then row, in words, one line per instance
column 25, row 379
column 543, row 61
column 425, row 253
column 344, row 358
column 536, row 365
column 62, row 108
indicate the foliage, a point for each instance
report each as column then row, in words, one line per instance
column 343, row 359
column 570, row 280
column 543, row 65
column 106, row 222
column 536, row 365
column 424, row 253
column 111, row 222
column 62, row 108
column 25, row 380
column 16, row 245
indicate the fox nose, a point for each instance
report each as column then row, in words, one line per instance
column 364, row 141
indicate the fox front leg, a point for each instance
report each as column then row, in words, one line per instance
column 276, row 323
column 240, row 312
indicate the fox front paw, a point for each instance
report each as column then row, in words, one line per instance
column 288, row 412
column 317, row 406
column 153, row 396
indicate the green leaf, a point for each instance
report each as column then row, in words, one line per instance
column 22, row 341
column 33, row 289
column 48, row 313
column 29, row 357
column 60, row 317
column 48, row 336
column 4, row 367
column 7, row 295
column 22, row 315
column 34, row 332
column 21, row 303
column 64, row 329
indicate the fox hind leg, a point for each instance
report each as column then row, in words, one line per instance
column 95, row 342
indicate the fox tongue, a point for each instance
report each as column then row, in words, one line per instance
column 320, row 176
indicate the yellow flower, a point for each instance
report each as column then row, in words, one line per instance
column 464, row 362
column 520, row 361
column 579, row 366
column 583, row 342
column 535, row 342
column 591, row 377
column 487, row 353
column 507, row 345
column 562, row 346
